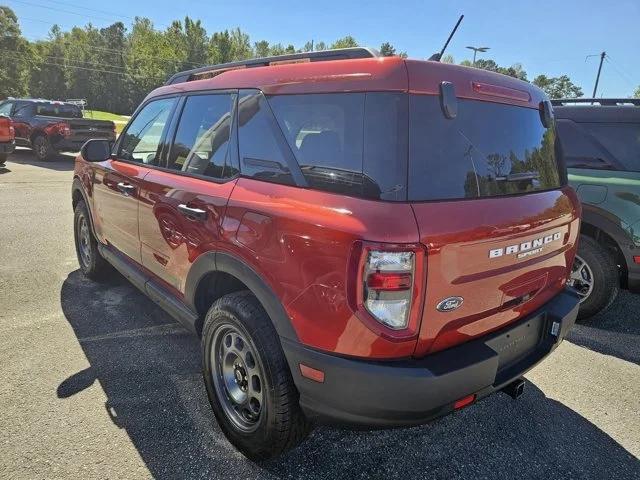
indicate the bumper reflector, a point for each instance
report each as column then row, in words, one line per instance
column 464, row 402
column 312, row 373
column 636, row 259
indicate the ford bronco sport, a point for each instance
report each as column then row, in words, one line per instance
column 358, row 240
column 601, row 143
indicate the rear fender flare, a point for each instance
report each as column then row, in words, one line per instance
column 611, row 225
column 227, row 263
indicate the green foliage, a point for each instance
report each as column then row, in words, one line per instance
column 387, row 50
column 15, row 54
column 636, row 94
column 345, row 42
column 558, row 87
column 514, row 70
column 114, row 68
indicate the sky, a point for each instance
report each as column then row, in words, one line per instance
column 550, row 37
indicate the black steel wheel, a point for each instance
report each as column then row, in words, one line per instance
column 248, row 380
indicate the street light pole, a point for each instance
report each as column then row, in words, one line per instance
column 476, row 50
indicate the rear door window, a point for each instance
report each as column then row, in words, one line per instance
column 264, row 153
column 201, row 143
column 488, row 149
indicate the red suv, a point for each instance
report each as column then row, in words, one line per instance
column 357, row 240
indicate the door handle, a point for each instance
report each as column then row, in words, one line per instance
column 126, row 189
column 191, row 212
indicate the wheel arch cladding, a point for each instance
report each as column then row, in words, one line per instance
column 594, row 217
column 77, row 194
column 212, row 266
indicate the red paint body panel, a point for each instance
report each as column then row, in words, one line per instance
column 425, row 78
column 301, row 243
column 170, row 241
column 7, row 131
column 459, row 235
column 369, row 74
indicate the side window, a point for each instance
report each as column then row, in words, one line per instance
column 622, row 140
column 141, row 140
column 23, row 109
column 325, row 132
column 263, row 150
column 201, row 143
column 5, row 108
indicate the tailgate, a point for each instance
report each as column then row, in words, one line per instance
column 505, row 257
column 84, row 129
column 6, row 130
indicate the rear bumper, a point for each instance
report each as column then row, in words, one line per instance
column 7, row 147
column 414, row 391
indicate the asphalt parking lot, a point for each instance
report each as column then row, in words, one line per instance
column 98, row 382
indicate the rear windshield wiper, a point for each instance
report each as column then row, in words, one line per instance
column 518, row 177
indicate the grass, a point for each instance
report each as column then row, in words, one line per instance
column 119, row 120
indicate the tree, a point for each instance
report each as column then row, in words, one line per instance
column 448, row 58
column 261, row 49
column 514, row 70
column 16, row 56
column 345, row 42
column 636, row 94
column 558, row 87
column 387, row 50
column 220, row 48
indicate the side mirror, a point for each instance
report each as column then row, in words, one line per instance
column 96, row 150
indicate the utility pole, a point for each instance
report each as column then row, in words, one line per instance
column 595, row 88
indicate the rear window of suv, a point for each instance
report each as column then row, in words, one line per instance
column 488, row 149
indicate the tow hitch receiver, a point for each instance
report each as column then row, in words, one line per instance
column 515, row 388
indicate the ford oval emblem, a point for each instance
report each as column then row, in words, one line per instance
column 449, row 304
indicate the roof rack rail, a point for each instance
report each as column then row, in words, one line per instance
column 211, row 71
column 600, row 101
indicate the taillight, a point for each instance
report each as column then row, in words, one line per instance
column 12, row 132
column 389, row 288
column 64, row 129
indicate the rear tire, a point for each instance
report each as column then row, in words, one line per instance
column 42, row 148
column 248, row 379
column 91, row 262
column 3, row 159
column 595, row 276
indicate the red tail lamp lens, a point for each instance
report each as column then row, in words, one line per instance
column 390, row 282
column 636, row 259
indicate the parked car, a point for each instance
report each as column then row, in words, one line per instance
column 601, row 142
column 50, row 127
column 356, row 240
column 7, row 139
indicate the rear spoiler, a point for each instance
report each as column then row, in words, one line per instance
column 318, row 56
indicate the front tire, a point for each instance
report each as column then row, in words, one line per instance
column 248, row 379
column 595, row 277
column 91, row 262
column 3, row 159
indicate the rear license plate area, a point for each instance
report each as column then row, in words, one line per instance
column 517, row 343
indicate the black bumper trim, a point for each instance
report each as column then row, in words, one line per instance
column 410, row 392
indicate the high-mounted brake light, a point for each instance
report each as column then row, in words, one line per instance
column 63, row 129
column 389, row 288
column 499, row 91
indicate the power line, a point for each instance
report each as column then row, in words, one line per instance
column 61, row 10
column 619, row 71
column 42, row 62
